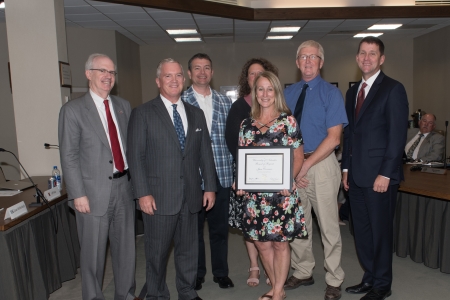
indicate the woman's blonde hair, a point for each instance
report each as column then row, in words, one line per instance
column 280, row 102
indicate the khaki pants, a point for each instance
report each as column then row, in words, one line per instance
column 324, row 180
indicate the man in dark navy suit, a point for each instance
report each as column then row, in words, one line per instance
column 377, row 110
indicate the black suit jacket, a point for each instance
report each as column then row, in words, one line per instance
column 375, row 141
column 157, row 165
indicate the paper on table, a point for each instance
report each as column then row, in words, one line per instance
column 7, row 193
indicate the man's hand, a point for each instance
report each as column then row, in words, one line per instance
column 300, row 181
column 148, row 204
column 82, row 204
column 345, row 180
column 381, row 184
column 209, row 199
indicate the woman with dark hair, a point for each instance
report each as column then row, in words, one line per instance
column 239, row 111
column 272, row 219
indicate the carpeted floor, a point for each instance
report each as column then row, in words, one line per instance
column 412, row 281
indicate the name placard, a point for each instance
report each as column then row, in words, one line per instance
column 434, row 171
column 16, row 210
column 52, row 194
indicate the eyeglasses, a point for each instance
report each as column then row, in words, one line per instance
column 113, row 73
column 311, row 57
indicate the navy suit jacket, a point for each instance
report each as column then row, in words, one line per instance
column 374, row 142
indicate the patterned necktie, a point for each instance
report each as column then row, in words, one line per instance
column 413, row 147
column 300, row 103
column 178, row 126
column 360, row 99
column 114, row 140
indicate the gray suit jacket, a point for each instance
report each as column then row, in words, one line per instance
column 86, row 157
column 158, row 166
column 432, row 147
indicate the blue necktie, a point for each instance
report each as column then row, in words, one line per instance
column 178, row 126
column 300, row 103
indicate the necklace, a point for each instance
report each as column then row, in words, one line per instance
column 266, row 125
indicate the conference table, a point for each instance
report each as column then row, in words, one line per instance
column 34, row 259
column 422, row 221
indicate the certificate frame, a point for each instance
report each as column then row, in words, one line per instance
column 65, row 74
column 264, row 169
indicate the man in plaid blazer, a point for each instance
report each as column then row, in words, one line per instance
column 215, row 107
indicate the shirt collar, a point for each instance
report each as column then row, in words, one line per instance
column 312, row 83
column 200, row 95
column 98, row 101
column 372, row 78
column 169, row 104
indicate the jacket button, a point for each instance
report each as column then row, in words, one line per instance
column 110, row 177
column 110, row 161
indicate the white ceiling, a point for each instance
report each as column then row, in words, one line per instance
column 147, row 25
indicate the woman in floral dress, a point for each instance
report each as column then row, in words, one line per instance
column 271, row 220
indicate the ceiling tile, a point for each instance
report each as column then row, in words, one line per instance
column 71, row 10
column 97, row 23
column 165, row 14
column 117, row 9
column 136, row 23
column 129, row 16
column 85, row 18
column 323, row 23
column 74, row 3
column 300, row 23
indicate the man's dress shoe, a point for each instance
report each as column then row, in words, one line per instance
column 375, row 294
column 198, row 283
column 293, row 282
column 361, row 288
column 224, row 282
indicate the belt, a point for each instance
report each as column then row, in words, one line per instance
column 307, row 155
column 120, row 174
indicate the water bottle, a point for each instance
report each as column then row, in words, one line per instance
column 57, row 176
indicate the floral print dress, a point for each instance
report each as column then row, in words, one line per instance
column 272, row 216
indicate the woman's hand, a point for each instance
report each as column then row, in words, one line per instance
column 240, row 192
column 285, row 193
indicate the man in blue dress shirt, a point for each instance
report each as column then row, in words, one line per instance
column 319, row 109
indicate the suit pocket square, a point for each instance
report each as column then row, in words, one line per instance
column 198, row 129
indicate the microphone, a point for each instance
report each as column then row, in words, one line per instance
column 445, row 147
column 39, row 193
column 47, row 146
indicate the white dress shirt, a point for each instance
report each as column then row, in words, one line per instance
column 205, row 103
column 409, row 144
column 98, row 101
column 180, row 110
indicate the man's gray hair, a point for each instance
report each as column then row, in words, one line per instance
column 90, row 61
column 164, row 61
column 314, row 44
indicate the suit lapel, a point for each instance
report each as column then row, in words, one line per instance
column 215, row 111
column 94, row 119
column 191, row 124
column 370, row 97
column 121, row 120
column 166, row 120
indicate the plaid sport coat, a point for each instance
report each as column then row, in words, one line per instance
column 222, row 157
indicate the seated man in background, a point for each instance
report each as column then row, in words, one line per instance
column 426, row 145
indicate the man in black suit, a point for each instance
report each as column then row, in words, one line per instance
column 372, row 165
column 168, row 143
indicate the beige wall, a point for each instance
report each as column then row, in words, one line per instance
column 432, row 73
column 129, row 70
column 8, row 138
column 81, row 43
column 228, row 59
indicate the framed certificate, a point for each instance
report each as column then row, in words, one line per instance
column 65, row 74
column 264, row 169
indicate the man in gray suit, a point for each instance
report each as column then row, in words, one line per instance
column 426, row 145
column 168, row 143
column 92, row 138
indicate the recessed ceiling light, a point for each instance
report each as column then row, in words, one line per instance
column 363, row 35
column 384, row 26
column 181, row 31
column 285, row 29
column 191, row 39
column 279, row 37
